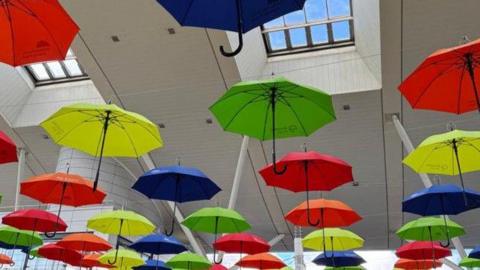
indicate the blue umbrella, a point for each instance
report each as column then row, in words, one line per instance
column 339, row 259
column 475, row 253
column 176, row 184
column 158, row 244
column 153, row 265
column 441, row 199
column 239, row 16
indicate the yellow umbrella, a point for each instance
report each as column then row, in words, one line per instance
column 103, row 130
column 333, row 239
column 122, row 258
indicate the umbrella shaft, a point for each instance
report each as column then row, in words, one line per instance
column 104, row 135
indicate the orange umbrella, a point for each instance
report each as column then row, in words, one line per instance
column 261, row 261
column 417, row 264
column 84, row 242
column 328, row 213
column 62, row 189
column 4, row 259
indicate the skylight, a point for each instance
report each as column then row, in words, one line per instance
column 322, row 24
column 57, row 71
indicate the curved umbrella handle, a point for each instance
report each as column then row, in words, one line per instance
column 446, row 232
column 169, row 233
column 12, row 264
column 215, row 257
column 445, row 245
column 52, row 235
column 30, row 257
column 115, row 259
column 239, row 31
column 274, row 159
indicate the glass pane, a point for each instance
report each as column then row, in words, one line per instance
column 316, row 10
column 56, row 70
column 338, row 8
column 295, row 18
column 341, row 31
column 277, row 40
column 278, row 22
column 39, row 72
column 73, row 68
column 298, row 37
column 319, row 34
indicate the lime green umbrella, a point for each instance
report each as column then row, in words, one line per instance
column 188, row 261
column 121, row 223
column 334, row 239
column 469, row 262
column 122, row 258
column 103, row 130
column 216, row 220
column 451, row 153
column 430, row 229
column 257, row 108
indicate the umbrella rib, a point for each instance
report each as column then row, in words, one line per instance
column 187, row 12
column 148, row 130
column 426, row 88
column 240, row 110
column 460, row 89
column 71, row 130
column 128, row 136
column 294, row 113
column 307, row 99
column 269, row 104
column 223, row 98
column 12, row 33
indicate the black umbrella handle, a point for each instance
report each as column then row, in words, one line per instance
column 64, row 187
column 117, row 245
column 172, row 228
column 103, row 139
column 273, row 101
column 310, row 222
column 214, row 249
column 240, row 33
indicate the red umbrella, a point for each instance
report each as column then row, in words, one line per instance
column 4, row 259
column 92, row 260
column 84, row 242
column 34, row 31
column 58, row 253
column 62, row 189
column 261, row 261
column 309, row 171
column 241, row 243
column 330, row 213
column 446, row 81
column 407, row 264
column 422, row 250
column 8, row 149
column 34, row 220
column 217, row 267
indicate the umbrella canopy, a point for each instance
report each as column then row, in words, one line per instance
column 422, row 250
column 16, row 238
column 430, row 229
column 261, row 261
column 407, row 264
column 446, row 81
column 451, row 153
column 103, row 130
column 91, row 260
column 444, row 199
column 158, row 244
column 328, row 213
column 4, row 259
column 257, row 108
column 339, row 259
column 176, row 184
column 189, row 261
column 8, row 149
column 469, row 262
column 84, row 242
column 241, row 243
column 121, row 222
column 39, row 30
column 475, row 253
column 34, row 220
column 217, row 267
column 233, row 15
column 58, row 253
column 122, row 258
column 153, row 265
column 333, row 239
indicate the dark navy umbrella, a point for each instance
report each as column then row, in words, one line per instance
column 338, row 259
column 441, row 199
column 176, row 184
column 240, row 16
column 152, row 265
column 475, row 253
column 158, row 244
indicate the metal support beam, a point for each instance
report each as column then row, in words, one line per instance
column 20, row 169
column 178, row 214
column 407, row 143
column 242, row 157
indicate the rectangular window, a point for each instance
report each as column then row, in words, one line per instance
column 321, row 24
column 67, row 70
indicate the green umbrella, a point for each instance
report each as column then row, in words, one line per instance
column 216, row 220
column 19, row 238
column 257, row 108
column 469, row 262
column 430, row 229
column 189, row 261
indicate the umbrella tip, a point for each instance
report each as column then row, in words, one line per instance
column 304, row 147
column 451, row 126
column 465, row 39
column 179, row 161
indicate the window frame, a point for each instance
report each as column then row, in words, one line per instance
column 52, row 79
column 310, row 46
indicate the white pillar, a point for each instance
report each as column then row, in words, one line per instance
column 20, row 168
column 298, row 249
column 425, row 179
column 242, row 157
